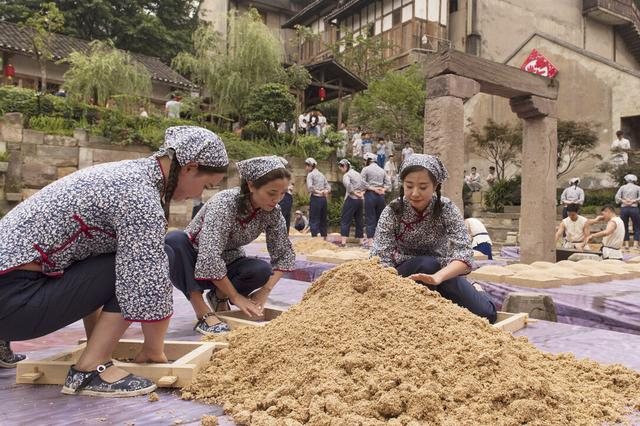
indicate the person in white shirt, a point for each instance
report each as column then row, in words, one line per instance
column 357, row 143
column 574, row 228
column 619, row 148
column 391, row 169
column 480, row 239
column 322, row 123
column 342, row 148
column 491, row 177
column 302, row 124
column 474, row 180
column 612, row 236
column 407, row 151
column 172, row 107
column 572, row 194
column 389, row 148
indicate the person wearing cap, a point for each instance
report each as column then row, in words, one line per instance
column 319, row 189
column 209, row 253
column 91, row 246
column 423, row 236
column 574, row 228
column 376, row 183
column 300, row 222
column 480, row 238
column 353, row 201
column 572, row 194
column 612, row 235
column 628, row 196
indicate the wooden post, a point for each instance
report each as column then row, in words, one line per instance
column 539, row 168
column 340, row 105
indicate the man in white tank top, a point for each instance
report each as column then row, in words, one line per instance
column 612, row 236
column 574, row 228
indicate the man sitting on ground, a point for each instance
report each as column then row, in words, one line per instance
column 574, row 228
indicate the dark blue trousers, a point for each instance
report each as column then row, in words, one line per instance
column 318, row 216
column 484, row 248
column 351, row 209
column 246, row 274
column 457, row 289
column 632, row 213
column 286, row 204
column 33, row 304
column 373, row 206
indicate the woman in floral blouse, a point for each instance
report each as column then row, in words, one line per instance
column 210, row 254
column 423, row 236
column 91, row 246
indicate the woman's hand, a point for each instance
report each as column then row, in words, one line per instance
column 145, row 356
column 426, row 279
column 247, row 306
column 260, row 296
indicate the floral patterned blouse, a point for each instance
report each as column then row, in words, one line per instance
column 218, row 234
column 400, row 238
column 108, row 208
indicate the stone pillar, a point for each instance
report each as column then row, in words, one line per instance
column 539, row 168
column 444, row 127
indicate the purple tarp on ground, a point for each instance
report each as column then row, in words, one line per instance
column 40, row 404
column 614, row 305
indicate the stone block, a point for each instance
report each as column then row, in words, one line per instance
column 60, row 156
column 4, row 166
column 538, row 306
column 452, row 85
column 575, row 257
column 85, row 157
column 57, row 140
column 94, row 139
column 29, row 150
column 82, row 136
column 107, row 155
column 3, row 146
column 12, row 119
column 14, row 197
column 28, row 192
column 64, row 171
column 37, row 174
column 32, row 136
column 533, row 107
column 12, row 134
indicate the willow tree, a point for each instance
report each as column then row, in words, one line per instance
column 229, row 67
column 103, row 72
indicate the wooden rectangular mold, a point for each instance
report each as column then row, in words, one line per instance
column 237, row 319
column 186, row 358
column 511, row 322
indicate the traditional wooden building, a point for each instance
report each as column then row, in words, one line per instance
column 18, row 57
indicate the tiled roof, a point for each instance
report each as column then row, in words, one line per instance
column 345, row 8
column 14, row 37
column 308, row 12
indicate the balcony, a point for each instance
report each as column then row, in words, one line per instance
column 624, row 15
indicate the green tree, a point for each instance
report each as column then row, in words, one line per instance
column 393, row 104
column 500, row 144
column 271, row 102
column 159, row 28
column 43, row 24
column 229, row 69
column 576, row 140
column 104, row 72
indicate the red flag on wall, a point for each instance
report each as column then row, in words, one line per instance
column 536, row 63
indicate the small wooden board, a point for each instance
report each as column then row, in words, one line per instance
column 186, row 358
column 511, row 322
column 237, row 318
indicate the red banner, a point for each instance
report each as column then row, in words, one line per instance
column 536, row 63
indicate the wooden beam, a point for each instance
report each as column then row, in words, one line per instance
column 513, row 323
column 494, row 78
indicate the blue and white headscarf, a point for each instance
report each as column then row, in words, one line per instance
column 193, row 144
